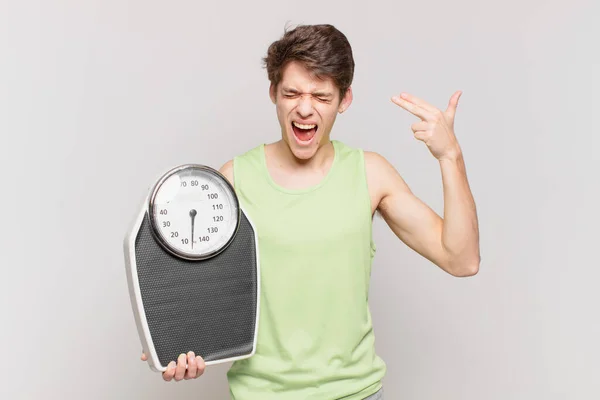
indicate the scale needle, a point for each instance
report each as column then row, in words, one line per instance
column 193, row 215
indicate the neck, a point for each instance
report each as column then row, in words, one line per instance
column 321, row 158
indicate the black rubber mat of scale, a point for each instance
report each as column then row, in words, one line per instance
column 208, row 307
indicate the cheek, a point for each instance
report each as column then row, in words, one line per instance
column 328, row 117
column 283, row 109
column 281, row 113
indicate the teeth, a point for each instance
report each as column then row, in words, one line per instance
column 303, row 126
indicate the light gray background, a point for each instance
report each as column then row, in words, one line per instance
column 98, row 97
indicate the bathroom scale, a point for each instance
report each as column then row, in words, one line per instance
column 192, row 264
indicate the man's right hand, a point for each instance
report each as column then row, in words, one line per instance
column 186, row 367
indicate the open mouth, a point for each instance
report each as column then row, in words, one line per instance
column 304, row 133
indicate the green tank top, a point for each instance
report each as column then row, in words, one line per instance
column 315, row 336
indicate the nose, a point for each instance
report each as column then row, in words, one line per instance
column 304, row 106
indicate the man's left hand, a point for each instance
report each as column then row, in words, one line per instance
column 436, row 128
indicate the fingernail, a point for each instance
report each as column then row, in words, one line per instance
column 172, row 364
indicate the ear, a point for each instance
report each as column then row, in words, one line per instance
column 346, row 100
column 273, row 93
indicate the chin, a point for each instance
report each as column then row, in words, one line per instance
column 303, row 150
column 303, row 154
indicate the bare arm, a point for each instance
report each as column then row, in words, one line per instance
column 451, row 243
column 460, row 236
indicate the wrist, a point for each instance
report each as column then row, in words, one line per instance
column 452, row 156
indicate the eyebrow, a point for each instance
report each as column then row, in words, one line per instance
column 317, row 93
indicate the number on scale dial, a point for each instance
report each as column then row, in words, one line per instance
column 194, row 212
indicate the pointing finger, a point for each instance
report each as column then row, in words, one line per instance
column 411, row 107
column 417, row 101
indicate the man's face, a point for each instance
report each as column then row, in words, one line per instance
column 306, row 109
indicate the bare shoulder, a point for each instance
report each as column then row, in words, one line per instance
column 375, row 161
column 227, row 171
column 382, row 176
column 383, row 180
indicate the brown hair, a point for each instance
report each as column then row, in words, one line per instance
column 322, row 49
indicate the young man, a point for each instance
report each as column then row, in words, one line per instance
column 312, row 200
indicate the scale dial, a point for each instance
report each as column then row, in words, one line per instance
column 194, row 212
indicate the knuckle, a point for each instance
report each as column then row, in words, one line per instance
column 436, row 115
